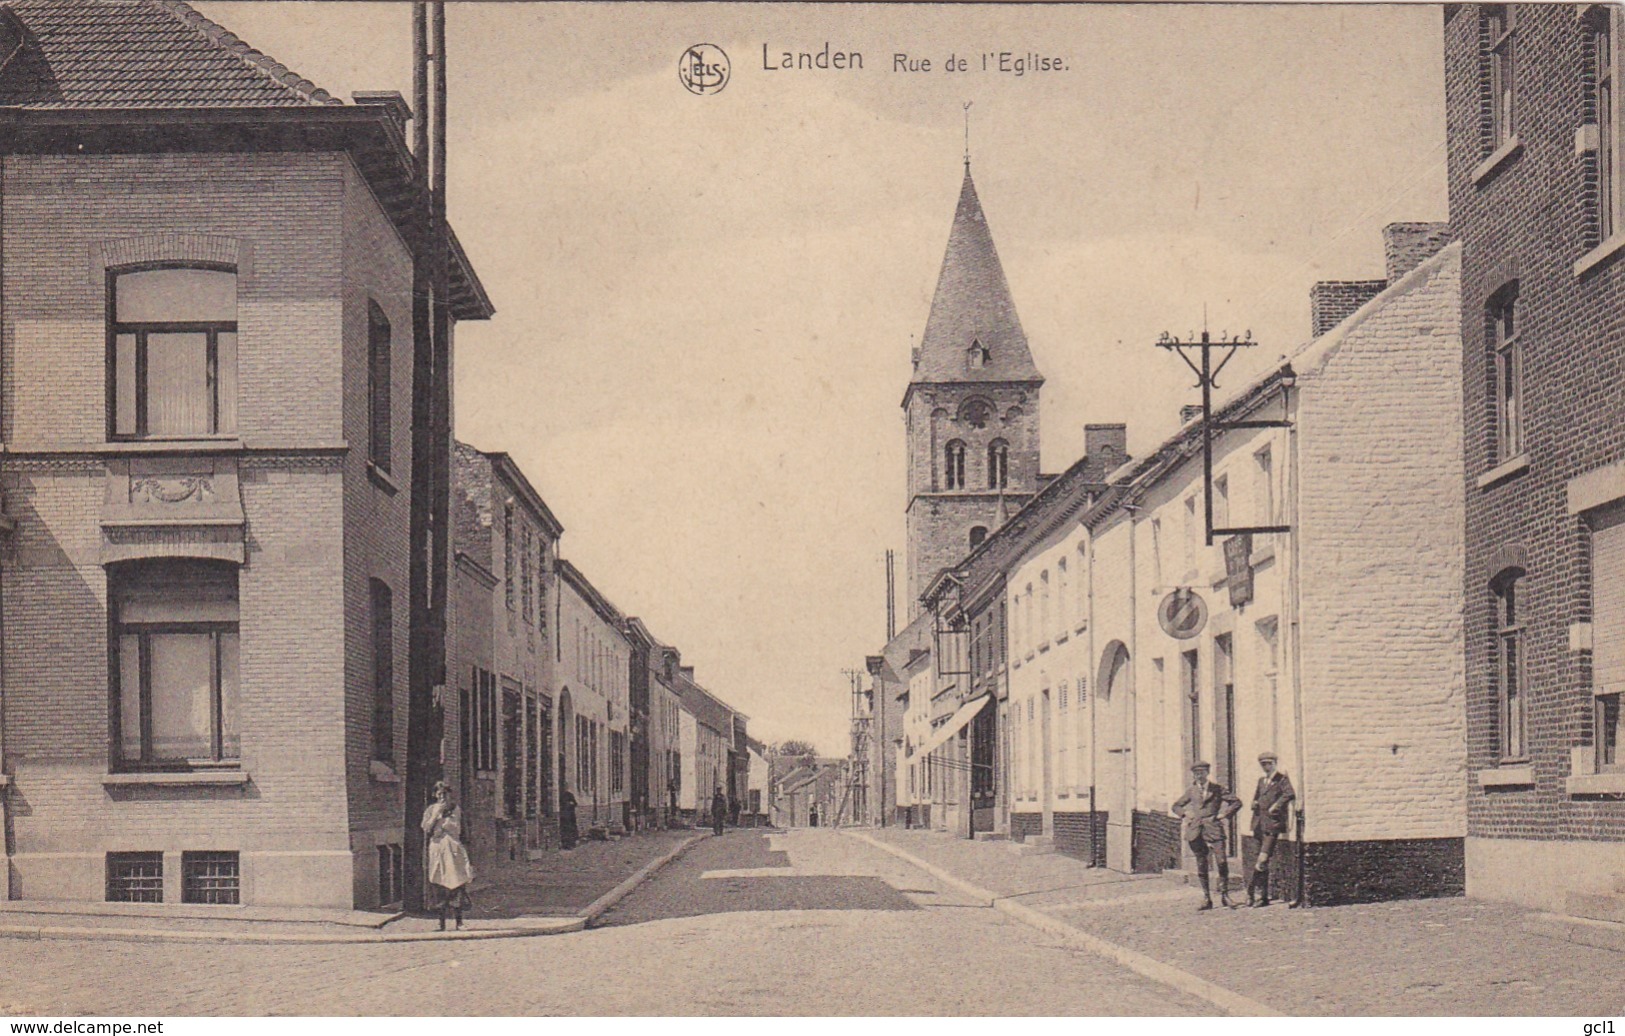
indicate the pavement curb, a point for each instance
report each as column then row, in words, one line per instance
column 599, row 906
column 537, row 927
column 1229, row 1002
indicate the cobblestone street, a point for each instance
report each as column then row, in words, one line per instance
column 844, row 930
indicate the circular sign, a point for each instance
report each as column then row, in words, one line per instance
column 703, row 69
column 1182, row 614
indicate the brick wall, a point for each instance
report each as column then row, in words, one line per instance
column 1380, row 536
column 1531, row 220
column 377, row 269
column 277, row 218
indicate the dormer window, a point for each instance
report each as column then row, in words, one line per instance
column 978, row 356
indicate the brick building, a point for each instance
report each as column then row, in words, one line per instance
column 500, row 657
column 1336, row 644
column 1537, row 196
column 207, row 355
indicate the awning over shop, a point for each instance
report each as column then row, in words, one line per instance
column 955, row 724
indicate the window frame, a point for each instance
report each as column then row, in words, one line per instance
column 1500, row 52
column 954, row 464
column 1509, row 396
column 380, row 388
column 1607, row 45
column 118, row 628
column 1510, row 669
column 141, row 329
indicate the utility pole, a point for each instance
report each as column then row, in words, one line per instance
column 1207, row 380
column 431, row 441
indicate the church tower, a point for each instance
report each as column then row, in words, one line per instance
column 971, row 406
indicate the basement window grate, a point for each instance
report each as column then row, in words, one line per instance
column 135, row 877
column 209, row 877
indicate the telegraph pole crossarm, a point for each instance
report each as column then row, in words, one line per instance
column 1207, row 376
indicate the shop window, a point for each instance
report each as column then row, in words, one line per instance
column 175, row 663
column 172, row 353
column 135, row 877
column 1511, row 682
column 210, row 877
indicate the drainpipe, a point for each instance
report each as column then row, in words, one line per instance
column 1131, row 723
column 1293, row 592
column 1089, row 660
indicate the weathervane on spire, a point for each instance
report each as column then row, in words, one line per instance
column 967, row 136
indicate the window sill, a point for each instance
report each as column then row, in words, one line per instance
column 1043, row 647
column 1062, row 638
column 190, row 444
column 382, row 772
column 183, row 778
column 1516, row 776
column 1597, row 784
column 1498, row 158
column 1504, row 470
column 1599, row 255
column 381, row 479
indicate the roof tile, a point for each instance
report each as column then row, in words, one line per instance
column 141, row 54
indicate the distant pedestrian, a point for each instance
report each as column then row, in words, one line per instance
column 568, row 832
column 1202, row 810
column 449, row 870
column 733, row 812
column 719, row 811
column 1271, row 803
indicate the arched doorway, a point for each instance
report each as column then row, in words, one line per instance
column 1114, row 727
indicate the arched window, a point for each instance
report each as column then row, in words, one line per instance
column 1511, row 684
column 978, row 535
column 172, row 352
column 998, row 464
column 955, row 467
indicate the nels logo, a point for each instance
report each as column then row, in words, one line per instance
column 703, row 69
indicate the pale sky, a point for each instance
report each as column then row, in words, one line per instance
column 705, row 304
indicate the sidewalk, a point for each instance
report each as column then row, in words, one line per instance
column 561, row 892
column 1414, row 957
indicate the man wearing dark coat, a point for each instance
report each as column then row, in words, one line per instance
column 1202, row 810
column 719, row 811
column 1272, row 802
column 568, row 832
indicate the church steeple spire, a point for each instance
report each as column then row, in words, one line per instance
column 972, row 311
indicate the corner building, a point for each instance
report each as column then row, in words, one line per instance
column 207, row 352
column 1537, row 195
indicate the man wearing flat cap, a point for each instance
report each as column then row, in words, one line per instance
column 1202, row 810
column 1271, row 802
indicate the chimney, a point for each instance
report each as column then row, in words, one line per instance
column 1331, row 302
column 391, row 101
column 1409, row 245
column 1189, row 412
column 1105, row 445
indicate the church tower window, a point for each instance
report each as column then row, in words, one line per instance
column 955, row 466
column 998, row 464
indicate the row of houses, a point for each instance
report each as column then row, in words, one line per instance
column 1425, row 617
column 206, row 333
